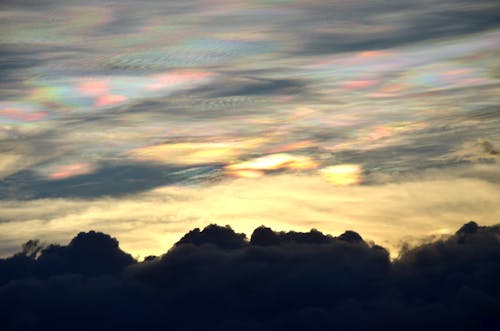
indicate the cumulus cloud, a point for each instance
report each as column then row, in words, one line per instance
column 216, row 279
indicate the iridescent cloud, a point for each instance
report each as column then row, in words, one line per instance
column 196, row 153
column 11, row 112
column 93, row 93
column 257, row 167
column 70, row 170
column 189, row 94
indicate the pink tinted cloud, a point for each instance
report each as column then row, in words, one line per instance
column 93, row 87
column 22, row 115
column 71, row 170
column 176, row 77
column 109, row 100
column 379, row 133
column 358, row 84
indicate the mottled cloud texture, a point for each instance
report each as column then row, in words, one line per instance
column 145, row 119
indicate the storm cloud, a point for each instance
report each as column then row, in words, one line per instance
column 216, row 279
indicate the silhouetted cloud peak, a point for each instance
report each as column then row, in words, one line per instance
column 215, row 279
column 223, row 237
column 351, row 236
column 264, row 236
column 470, row 227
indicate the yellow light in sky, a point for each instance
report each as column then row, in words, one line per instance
column 189, row 153
column 247, row 173
column 343, row 174
column 275, row 162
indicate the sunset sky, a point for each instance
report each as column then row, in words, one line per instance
column 145, row 119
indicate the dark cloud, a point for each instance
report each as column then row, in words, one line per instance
column 198, row 105
column 214, row 279
column 253, row 86
column 109, row 180
column 264, row 236
column 14, row 63
column 88, row 254
column 406, row 22
column 222, row 237
column 488, row 147
column 26, row 4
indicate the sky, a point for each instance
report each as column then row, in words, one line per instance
column 145, row 119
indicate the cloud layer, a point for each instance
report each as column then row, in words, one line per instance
column 92, row 93
column 404, row 209
column 216, row 279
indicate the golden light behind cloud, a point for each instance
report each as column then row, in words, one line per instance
column 192, row 153
column 271, row 162
column 246, row 173
column 343, row 174
column 150, row 222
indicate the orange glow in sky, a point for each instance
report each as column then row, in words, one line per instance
column 293, row 146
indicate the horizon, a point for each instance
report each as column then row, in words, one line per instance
column 221, row 235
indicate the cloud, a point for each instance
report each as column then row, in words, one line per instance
column 82, row 180
column 215, row 279
column 388, row 210
column 184, row 123
column 258, row 166
column 360, row 25
column 223, row 237
column 7, row 164
column 91, row 254
column 196, row 153
column 248, row 86
column 480, row 150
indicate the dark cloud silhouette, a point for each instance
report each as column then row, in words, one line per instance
column 221, row 237
column 215, row 279
column 89, row 254
column 264, row 236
